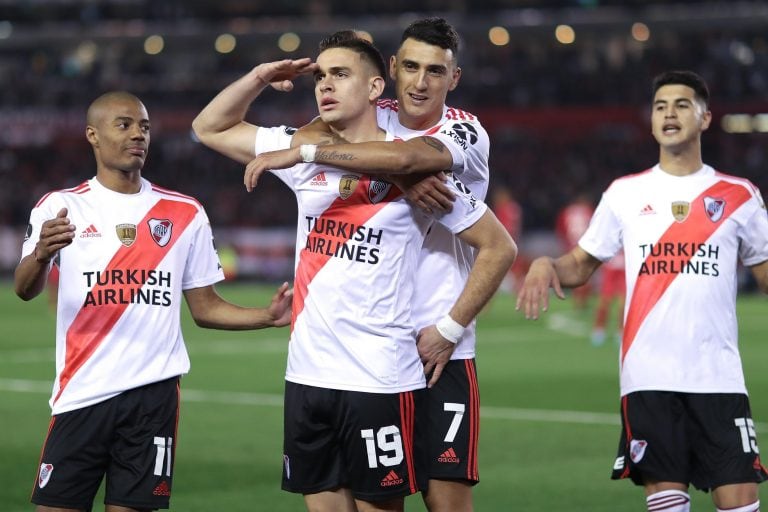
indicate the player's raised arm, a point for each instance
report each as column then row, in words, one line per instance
column 221, row 124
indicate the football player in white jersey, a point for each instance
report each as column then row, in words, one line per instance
column 432, row 137
column 126, row 250
column 227, row 111
column 683, row 227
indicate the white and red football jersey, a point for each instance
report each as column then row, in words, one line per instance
column 445, row 260
column 357, row 252
column 120, row 287
column 683, row 237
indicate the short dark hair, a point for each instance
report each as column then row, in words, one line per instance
column 683, row 77
column 434, row 31
column 350, row 40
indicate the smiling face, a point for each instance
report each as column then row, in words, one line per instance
column 678, row 117
column 118, row 129
column 345, row 86
column 423, row 75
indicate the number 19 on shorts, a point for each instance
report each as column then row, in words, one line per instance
column 385, row 447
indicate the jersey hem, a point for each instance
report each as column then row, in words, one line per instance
column 739, row 391
column 358, row 388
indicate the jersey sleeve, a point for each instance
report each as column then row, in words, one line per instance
column 753, row 248
column 603, row 238
column 469, row 146
column 203, row 267
column 273, row 139
column 467, row 209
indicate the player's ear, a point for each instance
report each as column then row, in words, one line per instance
column 377, row 84
column 92, row 136
column 393, row 67
column 455, row 78
column 706, row 118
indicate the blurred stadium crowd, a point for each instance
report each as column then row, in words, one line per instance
column 567, row 112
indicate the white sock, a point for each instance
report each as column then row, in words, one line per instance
column 669, row 501
column 752, row 507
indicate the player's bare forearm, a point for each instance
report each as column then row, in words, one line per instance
column 760, row 272
column 32, row 272
column 270, row 160
column 568, row 271
column 575, row 267
column 30, row 277
column 211, row 311
column 496, row 251
column 417, row 155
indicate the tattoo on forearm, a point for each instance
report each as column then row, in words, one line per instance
column 434, row 143
column 332, row 156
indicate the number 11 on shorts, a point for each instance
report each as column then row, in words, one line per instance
column 163, row 445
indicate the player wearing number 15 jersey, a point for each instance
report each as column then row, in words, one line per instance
column 684, row 227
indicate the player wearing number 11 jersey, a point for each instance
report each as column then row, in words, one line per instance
column 684, row 228
column 126, row 250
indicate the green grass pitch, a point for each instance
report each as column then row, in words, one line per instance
column 549, row 415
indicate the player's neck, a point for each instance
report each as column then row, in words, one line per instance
column 419, row 123
column 363, row 129
column 680, row 164
column 124, row 182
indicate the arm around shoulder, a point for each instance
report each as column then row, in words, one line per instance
column 417, row 155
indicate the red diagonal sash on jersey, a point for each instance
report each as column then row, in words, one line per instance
column 91, row 325
column 356, row 209
column 698, row 227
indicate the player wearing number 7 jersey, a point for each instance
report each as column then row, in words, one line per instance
column 684, row 227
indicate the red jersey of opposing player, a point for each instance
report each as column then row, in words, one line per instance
column 571, row 223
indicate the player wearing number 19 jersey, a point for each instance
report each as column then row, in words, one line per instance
column 359, row 242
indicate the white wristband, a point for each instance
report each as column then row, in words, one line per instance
column 450, row 329
column 307, row 152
